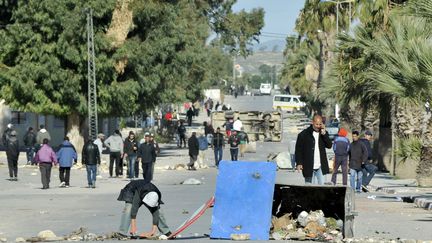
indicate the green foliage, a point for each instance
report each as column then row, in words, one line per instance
column 43, row 54
column 409, row 148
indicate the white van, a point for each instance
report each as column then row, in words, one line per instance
column 287, row 103
column 265, row 89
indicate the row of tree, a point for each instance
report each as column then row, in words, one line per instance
column 147, row 52
column 378, row 71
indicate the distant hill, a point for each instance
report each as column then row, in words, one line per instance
column 251, row 63
column 276, row 45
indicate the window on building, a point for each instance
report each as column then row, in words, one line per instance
column 18, row 117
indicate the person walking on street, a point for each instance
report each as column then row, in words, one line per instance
column 203, row 146
column 189, row 114
column 130, row 154
column 46, row 158
column 115, row 145
column 291, row 150
column 218, row 146
column 369, row 169
column 310, row 154
column 91, row 159
column 341, row 147
column 237, row 125
column 99, row 141
column 12, row 154
column 182, row 134
column 66, row 156
column 155, row 144
column 244, row 140
column 29, row 142
column 135, row 194
column 7, row 134
column 147, row 156
column 193, row 146
column 234, row 142
column 208, row 131
column 229, row 124
column 357, row 157
column 42, row 134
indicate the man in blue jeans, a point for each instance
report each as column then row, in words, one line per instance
column 357, row 157
column 91, row 158
column 218, row 145
column 369, row 168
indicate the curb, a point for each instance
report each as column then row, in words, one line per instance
column 419, row 201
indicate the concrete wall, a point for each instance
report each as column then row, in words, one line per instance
column 24, row 120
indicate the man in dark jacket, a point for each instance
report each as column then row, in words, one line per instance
column 6, row 134
column 358, row 155
column 193, row 151
column 218, row 145
column 130, row 154
column 91, row 158
column 310, row 152
column 189, row 114
column 135, row 194
column 181, row 130
column 29, row 142
column 12, row 154
column 234, row 142
column 147, row 156
column 369, row 168
column 341, row 149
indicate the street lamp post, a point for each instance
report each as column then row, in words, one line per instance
column 337, row 11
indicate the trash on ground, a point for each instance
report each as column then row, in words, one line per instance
column 191, row 181
column 240, row 236
column 308, row 226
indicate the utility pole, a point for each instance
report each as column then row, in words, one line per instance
column 91, row 78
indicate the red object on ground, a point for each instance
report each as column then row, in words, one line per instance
column 197, row 214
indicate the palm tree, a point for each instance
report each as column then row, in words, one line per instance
column 395, row 67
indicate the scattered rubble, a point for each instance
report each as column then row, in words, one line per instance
column 240, row 236
column 191, row 181
column 19, row 239
column 307, row 226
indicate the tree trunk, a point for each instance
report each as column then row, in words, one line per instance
column 424, row 169
column 76, row 130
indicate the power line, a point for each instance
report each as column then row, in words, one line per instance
column 274, row 33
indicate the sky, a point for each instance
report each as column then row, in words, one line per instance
column 280, row 16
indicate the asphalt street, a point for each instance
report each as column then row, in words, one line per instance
column 26, row 209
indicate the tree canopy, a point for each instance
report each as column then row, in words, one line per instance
column 165, row 57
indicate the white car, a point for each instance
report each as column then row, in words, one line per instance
column 265, row 89
column 289, row 103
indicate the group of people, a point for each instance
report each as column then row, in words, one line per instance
column 237, row 139
column 356, row 157
column 39, row 152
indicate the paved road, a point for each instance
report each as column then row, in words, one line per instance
column 26, row 209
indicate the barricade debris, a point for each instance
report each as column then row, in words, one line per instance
column 307, row 226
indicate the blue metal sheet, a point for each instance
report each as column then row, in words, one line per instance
column 243, row 199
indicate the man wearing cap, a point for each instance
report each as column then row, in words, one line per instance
column 147, row 156
column 369, row 168
column 135, row 194
column 6, row 134
column 341, row 148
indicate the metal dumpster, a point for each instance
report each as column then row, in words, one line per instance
column 334, row 201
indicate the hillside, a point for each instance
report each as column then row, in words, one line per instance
column 251, row 63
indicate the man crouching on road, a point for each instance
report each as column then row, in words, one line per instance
column 135, row 194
